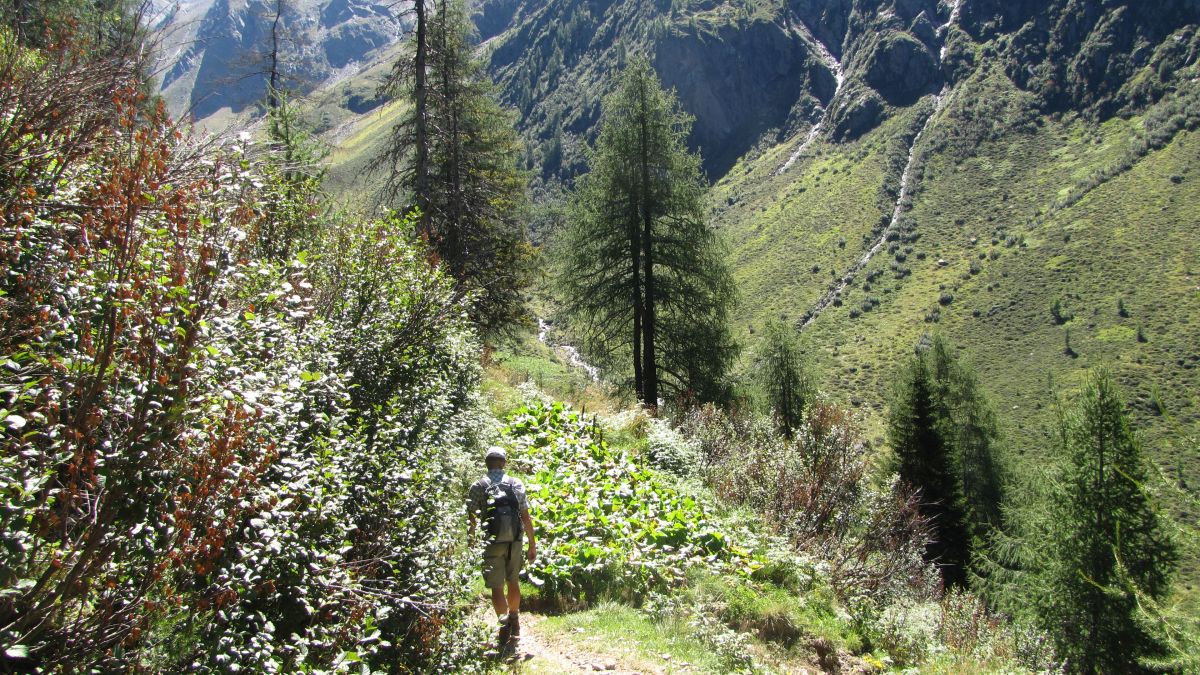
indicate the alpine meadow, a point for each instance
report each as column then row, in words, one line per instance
column 635, row 336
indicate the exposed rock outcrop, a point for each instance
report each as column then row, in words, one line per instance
column 225, row 62
column 901, row 68
column 738, row 83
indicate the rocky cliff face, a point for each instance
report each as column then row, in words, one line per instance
column 752, row 74
column 217, row 50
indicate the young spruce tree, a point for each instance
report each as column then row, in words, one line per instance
column 788, row 389
column 924, row 451
column 946, row 440
column 1110, row 534
column 642, row 275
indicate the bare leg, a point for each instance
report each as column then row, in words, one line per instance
column 499, row 603
column 514, row 597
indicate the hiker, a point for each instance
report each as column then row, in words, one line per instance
column 499, row 501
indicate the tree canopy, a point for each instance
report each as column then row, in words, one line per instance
column 453, row 159
column 642, row 274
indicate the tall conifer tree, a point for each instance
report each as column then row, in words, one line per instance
column 457, row 164
column 1108, row 521
column 923, row 456
column 946, row 443
column 642, row 274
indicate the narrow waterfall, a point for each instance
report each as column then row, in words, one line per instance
column 839, row 76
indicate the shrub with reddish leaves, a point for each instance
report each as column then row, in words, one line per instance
column 816, row 489
column 210, row 461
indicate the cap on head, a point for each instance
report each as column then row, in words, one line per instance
column 496, row 452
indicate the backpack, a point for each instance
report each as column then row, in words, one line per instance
column 502, row 518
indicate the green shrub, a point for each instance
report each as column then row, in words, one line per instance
column 814, row 490
column 608, row 526
column 212, row 460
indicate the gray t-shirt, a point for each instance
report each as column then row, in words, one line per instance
column 477, row 496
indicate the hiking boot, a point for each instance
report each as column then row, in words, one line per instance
column 504, row 635
column 514, row 625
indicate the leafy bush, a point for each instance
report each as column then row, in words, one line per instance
column 212, row 462
column 1059, row 313
column 815, row 490
column 669, row 451
column 608, row 526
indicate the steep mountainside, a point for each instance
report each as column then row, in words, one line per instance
column 217, row 51
column 760, row 71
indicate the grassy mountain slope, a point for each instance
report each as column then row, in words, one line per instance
column 1000, row 228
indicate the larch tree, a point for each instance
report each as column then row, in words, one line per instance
column 458, row 167
column 406, row 155
column 294, row 172
column 642, row 275
column 1110, row 537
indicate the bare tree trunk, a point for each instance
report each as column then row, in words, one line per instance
column 273, row 90
column 650, row 369
column 19, row 19
column 639, row 384
column 421, row 96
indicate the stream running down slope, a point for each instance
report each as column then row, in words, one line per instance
column 840, row 77
column 939, row 102
column 573, row 357
column 905, row 191
column 943, row 31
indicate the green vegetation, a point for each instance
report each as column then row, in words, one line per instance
column 631, row 556
column 983, row 181
column 918, row 434
column 784, row 377
column 293, row 171
column 638, row 639
column 1085, row 557
column 608, row 527
column 202, row 439
column 640, row 273
column 945, row 442
column 452, row 159
column 237, row 419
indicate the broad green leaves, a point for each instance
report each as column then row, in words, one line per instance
column 608, row 526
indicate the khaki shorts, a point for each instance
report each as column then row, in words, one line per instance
column 502, row 561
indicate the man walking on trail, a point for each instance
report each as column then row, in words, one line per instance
column 499, row 502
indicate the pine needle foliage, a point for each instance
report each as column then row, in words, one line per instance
column 923, row 456
column 946, row 442
column 788, row 387
column 1090, row 561
column 1110, row 524
column 294, row 175
column 641, row 274
column 474, row 199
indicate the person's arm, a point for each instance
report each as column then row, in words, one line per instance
column 527, row 522
column 470, row 525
